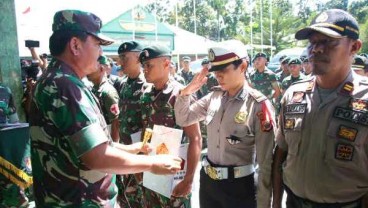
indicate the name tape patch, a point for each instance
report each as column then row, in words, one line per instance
column 296, row 108
column 351, row 115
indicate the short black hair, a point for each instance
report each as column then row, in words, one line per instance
column 59, row 40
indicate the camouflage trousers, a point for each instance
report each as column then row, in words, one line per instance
column 130, row 188
column 155, row 200
column 11, row 195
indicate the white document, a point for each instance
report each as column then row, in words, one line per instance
column 136, row 137
column 166, row 140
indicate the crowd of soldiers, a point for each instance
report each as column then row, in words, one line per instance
column 87, row 124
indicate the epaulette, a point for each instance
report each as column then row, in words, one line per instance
column 257, row 95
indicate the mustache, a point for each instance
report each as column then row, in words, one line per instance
column 319, row 59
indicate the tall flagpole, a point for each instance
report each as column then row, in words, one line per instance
column 271, row 40
column 195, row 23
column 261, row 13
column 251, row 25
column 177, row 27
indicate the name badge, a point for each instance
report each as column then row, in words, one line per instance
column 296, row 108
column 351, row 115
column 344, row 152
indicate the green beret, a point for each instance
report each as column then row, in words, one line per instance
column 154, row 51
column 260, row 54
column 186, row 58
column 75, row 20
column 295, row 61
column 285, row 60
column 103, row 60
column 130, row 46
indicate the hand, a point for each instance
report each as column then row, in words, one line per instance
column 197, row 82
column 139, row 147
column 183, row 189
column 165, row 164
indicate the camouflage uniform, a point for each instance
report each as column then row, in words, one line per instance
column 290, row 80
column 188, row 76
column 264, row 82
column 8, row 112
column 65, row 123
column 108, row 98
column 116, row 81
column 10, row 194
column 207, row 88
column 158, row 109
column 130, row 188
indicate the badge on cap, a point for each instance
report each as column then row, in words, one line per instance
column 146, row 53
column 347, row 133
column 322, row 17
column 289, row 123
column 211, row 55
column 359, row 105
column 344, row 152
column 347, row 89
column 125, row 46
column 298, row 97
column 240, row 117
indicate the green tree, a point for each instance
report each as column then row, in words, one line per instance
column 359, row 9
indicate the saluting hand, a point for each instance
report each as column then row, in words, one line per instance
column 197, row 82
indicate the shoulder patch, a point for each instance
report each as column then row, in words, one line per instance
column 257, row 95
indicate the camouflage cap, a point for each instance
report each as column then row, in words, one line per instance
column 186, row 58
column 103, row 60
column 130, row 46
column 154, row 51
column 295, row 61
column 75, row 20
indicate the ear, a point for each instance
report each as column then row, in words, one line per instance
column 244, row 66
column 74, row 46
column 357, row 45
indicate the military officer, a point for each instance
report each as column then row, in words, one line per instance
column 157, row 104
column 307, row 68
column 107, row 96
column 185, row 72
column 130, row 190
column 321, row 154
column 173, row 70
column 211, row 80
column 8, row 113
column 284, row 72
column 264, row 79
column 74, row 160
column 294, row 66
column 359, row 64
column 240, row 128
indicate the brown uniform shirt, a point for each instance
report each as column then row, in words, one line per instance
column 327, row 142
column 239, row 129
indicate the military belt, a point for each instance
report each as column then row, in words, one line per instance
column 221, row 173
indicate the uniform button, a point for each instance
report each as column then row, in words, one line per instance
column 218, row 146
column 218, row 130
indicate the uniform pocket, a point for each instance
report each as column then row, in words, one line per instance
column 345, row 145
column 292, row 128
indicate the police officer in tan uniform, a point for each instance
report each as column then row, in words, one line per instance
column 322, row 140
column 240, row 124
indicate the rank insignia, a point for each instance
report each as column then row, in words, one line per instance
column 266, row 126
column 240, row 117
column 359, row 105
column 347, row 89
column 298, row 97
column 289, row 123
column 344, row 152
column 347, row 133
column 310, row 86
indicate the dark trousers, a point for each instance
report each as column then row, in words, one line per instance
column 294, row 201
column 227, row 193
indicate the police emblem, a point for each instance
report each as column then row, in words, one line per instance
column 322, row 17
column 266, row 126
column 359, row 105
column 211, row 55
column 344, row 152
column 289, row 123
column 347, row 133
column 298, row 97
column 240, row 117
column 347, row 89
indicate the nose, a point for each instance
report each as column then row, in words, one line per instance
column 100, row 50
column 316, row 48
